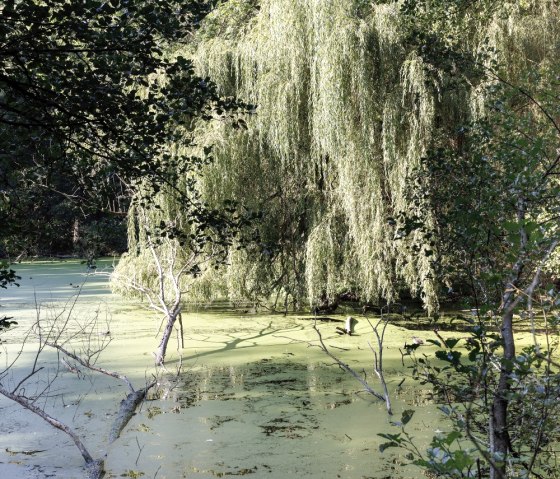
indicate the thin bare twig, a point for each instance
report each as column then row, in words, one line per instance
column 88, row 365
column 346, row 367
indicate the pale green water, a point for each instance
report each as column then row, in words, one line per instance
column 254, row 397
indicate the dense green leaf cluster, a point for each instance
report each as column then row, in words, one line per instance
column 464, row 379
column 91, row 100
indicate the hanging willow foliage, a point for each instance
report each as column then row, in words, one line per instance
column 347, row 105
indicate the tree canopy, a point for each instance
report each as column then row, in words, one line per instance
column 395, row 149
column 93, row 98
column 353, row 98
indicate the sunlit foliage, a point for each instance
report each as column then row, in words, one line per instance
column 350, row 97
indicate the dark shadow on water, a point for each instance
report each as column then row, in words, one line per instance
column 237, row 341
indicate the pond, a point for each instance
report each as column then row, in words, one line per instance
column 249, row 394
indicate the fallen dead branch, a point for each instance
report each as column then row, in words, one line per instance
column 57, row 333
column 94, row 467
column 128, row 405
column 87, row 364
column 127, row 410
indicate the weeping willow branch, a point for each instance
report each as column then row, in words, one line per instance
column 346, row 110
column 347, row 107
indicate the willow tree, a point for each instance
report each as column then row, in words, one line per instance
column 395, row 145
column 406, row 144
column 349, row 102
column 345, row 112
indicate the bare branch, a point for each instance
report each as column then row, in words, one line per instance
column 96, row 465
column 88, row 365
column 378, row 359
column 346, row 367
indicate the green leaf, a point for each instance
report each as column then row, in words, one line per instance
column 387, row 445
column 451, row 342
column 391, row 437
column 452, row 436
column 449, row 356
column 407, row 416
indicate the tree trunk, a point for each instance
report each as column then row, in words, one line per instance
column 76, row 232
column 500, row 432
column 500, row 439
column 162, row 348
column 180, row 317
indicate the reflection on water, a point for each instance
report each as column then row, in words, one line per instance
column 277, row 417
column 252, row 396
column 297, row 383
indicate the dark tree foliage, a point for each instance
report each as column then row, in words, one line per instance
column 8, row 277
column 92, row 95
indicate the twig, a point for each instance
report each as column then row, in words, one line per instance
column 139, row 451
column 347, row 368
column 378, row 359
column 86, row 364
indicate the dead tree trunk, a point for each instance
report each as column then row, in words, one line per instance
column 168, row 330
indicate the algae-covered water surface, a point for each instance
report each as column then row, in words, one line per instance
column 249, row 394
